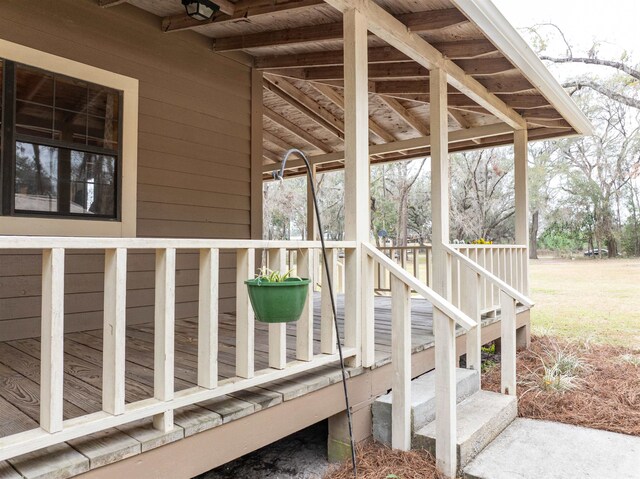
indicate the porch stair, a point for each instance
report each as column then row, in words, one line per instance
column 423, row 402
column 481, row 415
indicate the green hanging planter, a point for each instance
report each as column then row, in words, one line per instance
column 278, row 302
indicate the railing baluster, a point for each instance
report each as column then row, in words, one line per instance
column 208, row 319
column 401, row 363
column 52, row 341
column 455, row 283
column 278, row 331
column 496, row 271
column 508, row 343
column 114, row 330
column 328, row 340
column 304, row 326
column 445, row 355
column 163, row 350
column 353, row 309
column 470, row 305
column 245, row 337
column 525, row 271
column 368, row 317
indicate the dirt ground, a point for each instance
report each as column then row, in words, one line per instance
column 603, row 384
column 375, row 461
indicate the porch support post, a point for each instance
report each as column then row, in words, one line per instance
column 312, row 228
column 444, row 327
column 521, row 158
column 356, row 172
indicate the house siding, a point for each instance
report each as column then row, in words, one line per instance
column 194, row 156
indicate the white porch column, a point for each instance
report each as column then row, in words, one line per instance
column 356, row 171
column 521, row 160
column 444, row 327
column 312, row 228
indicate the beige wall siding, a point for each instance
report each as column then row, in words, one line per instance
column 194, row 166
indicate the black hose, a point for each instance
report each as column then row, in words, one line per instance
column 280, row 175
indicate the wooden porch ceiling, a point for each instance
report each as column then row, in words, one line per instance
column 298, row 46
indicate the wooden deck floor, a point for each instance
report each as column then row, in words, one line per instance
column 20, row 377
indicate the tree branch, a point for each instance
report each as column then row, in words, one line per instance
column 596, row 61
column 624, row 99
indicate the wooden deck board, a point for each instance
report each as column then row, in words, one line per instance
column 19, row 390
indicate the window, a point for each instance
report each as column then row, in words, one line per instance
column 61, row 145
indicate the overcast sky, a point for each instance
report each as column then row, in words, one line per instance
column 613, row 23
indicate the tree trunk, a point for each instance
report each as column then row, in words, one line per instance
column 612, row 247
column 533, row 236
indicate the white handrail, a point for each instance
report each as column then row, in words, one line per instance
column 422, row 289
column 512, row 292
column 47, row 242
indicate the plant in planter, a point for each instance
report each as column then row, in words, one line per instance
column 277, row 297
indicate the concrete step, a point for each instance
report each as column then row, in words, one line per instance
column 481, row 418
column 423, row 402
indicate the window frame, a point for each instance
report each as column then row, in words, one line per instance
column 123, row 223
column 10, row 138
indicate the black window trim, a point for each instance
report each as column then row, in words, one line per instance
column 8, row 151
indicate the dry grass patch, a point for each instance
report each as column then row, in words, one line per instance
column 577, row 382
column 376, row 461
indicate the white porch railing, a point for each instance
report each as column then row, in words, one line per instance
column 414, row 259
column 471, row 277
column 359, row 342
column 115, row 412
column 402, row 284
column 509, row 263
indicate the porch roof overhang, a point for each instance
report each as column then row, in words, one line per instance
column 496, row 82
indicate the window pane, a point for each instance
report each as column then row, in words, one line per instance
column 36, row 178
column 1, row 83
column 61, row 180
column 65, row 109
column 93, row 184
column 34, row 105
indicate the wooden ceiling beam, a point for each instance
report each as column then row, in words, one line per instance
column 506, row 84
column 338, row 100
column 418, row 22
column 541, row 114
column 394, row 32
column 412, row 145
column 243, row 11
column 296, row 130
column 524, row 101
column 380, row 71
column 406, row 115
column 305, row 105
column 485, row 66
column 276, row 140
column 406, row 70
column 461, row 50
column 271, row 156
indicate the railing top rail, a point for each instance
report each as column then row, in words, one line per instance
column 47, row 242
column 458, row 245
column 514, row 293
column 419, row 287
column 489, row 246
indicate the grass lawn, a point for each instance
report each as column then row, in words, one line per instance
column 587, row 299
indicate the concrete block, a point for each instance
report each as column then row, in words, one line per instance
column 423, row 402
column 481, row 418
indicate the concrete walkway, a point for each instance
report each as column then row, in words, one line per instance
column 530, row 449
